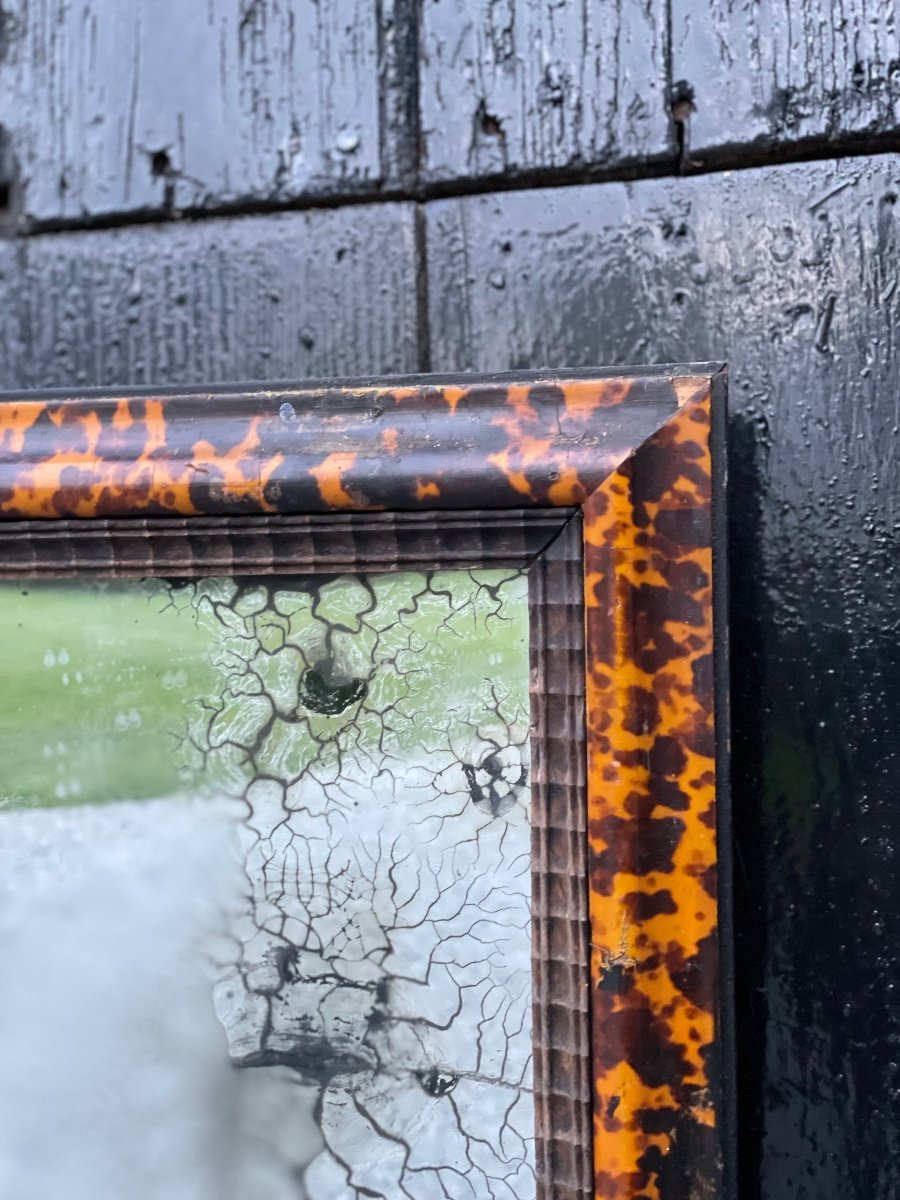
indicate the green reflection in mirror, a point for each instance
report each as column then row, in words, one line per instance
column 95, row 676
column 130, row 690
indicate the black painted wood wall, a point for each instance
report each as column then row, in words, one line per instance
column 290, row 188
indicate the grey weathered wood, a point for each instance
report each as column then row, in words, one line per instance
column 117, row 105
column 522, row 85
column 785, row 70
column 791, row 274
column 279, row 296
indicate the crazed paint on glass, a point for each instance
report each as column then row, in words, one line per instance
column 371, row 734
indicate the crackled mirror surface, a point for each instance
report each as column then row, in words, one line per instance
column 279, row 825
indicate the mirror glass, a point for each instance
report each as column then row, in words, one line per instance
column 266, row 862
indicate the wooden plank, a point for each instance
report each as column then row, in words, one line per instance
column 282, row 296
column 525, row 85
column 153, row 104
column 781, row 71
column 791, row 275
column 524, row 277
column 787, row 273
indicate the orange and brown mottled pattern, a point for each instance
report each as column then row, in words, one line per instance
column 499, row 443
column 634, row 452
column 652, row 818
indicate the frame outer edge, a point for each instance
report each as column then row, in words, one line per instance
column 654, row 677
column 138, row 437
column 728, row 1135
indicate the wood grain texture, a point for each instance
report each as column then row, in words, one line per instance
column 526, row 85
column 114, row 107
column 771, row 270
column 790, row 274
column 335, row 543
column 286, row 295
column 780, row 71
column 563, row 1080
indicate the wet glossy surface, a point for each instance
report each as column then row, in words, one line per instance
column 790, row 274
column 364, row 446
column 635, row 449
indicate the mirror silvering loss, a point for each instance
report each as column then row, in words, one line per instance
column 273, row 824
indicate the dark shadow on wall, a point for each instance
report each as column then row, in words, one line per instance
column 746, row 471
column 815, row 694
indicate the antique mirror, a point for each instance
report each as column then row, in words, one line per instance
column 363, row 787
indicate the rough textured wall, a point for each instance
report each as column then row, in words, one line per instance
column 789, row 273
column 552, row 184
column 158, row 105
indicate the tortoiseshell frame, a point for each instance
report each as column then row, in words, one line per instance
column 628, row 653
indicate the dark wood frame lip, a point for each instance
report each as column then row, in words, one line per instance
column 381, row 474
column 726, row 1008
column 333, row 543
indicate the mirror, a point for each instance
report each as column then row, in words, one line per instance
column 273, row 824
